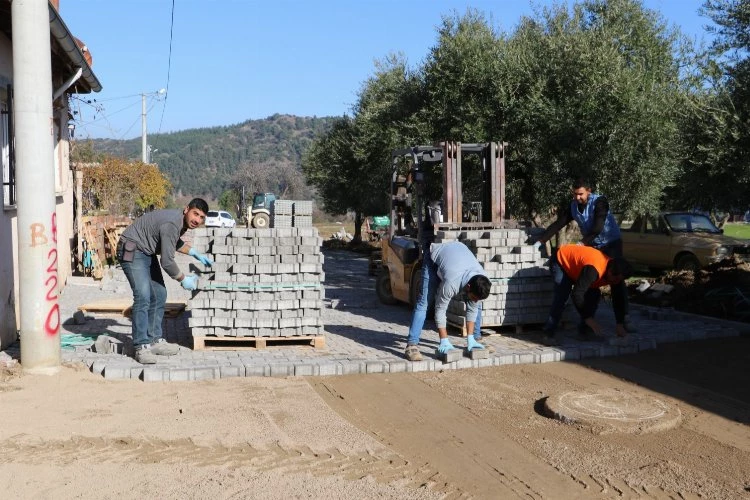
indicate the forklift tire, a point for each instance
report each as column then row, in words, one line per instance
column 261, row 221
column 383, row 288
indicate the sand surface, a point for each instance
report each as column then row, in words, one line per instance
column 456, row 434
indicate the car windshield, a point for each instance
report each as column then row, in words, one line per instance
column 691, row 223
column 212, row 214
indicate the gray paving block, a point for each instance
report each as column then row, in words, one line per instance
column 329, row 369
column 569, row 353
column 375, row 367
column 256, row 370
column 234, row 370
column 397, row 366
column 450, row 356
column 181, row 374
column 98, row 366
column 305, row 370
column 463, row 363
column 476, row 353
column 114, row 371
column 481, row 363
column 282, row 370
column 155, row 374
column 504, row 359
column 206, row 372
column 350, row 368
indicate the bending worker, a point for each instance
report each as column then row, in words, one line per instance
column 584, row 270
column 449, row 270
column 157, row 233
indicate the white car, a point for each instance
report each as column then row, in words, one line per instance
column 219, row 218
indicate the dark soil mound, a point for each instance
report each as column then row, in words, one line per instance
column 721, row 289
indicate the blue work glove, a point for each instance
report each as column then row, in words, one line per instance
column 190, row 282
column 202, row 258
column 537, row 245
column 473, row 344
column 445, row 346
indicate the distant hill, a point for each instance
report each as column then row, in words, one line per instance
column 200, row 162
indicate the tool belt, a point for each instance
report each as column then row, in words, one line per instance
column 126, row 250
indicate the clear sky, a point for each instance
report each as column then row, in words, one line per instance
column 235, row 60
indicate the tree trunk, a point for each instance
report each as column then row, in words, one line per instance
column 358, row 218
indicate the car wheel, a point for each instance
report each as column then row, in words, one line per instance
column 688, row 263
column 383, row 288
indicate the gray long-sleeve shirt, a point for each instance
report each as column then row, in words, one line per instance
column 158, row 233
column 455, row 265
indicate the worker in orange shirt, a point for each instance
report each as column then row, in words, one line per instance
column 583, row 270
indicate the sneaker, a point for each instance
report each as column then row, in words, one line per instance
column 412, row 353
column 163, row 348
column 144, row 355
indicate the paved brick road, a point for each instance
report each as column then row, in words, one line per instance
column 362, row 335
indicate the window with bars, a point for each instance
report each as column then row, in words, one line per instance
column 7, row 156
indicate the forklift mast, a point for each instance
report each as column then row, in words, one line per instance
column 412, row 168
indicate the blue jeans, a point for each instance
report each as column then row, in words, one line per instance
column 563, row 287
column 149, row 297
column 426, row 297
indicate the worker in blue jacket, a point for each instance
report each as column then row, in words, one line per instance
column 596, row 222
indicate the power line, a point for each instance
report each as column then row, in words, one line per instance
column 169, row 68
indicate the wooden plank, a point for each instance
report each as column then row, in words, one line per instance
column 123, row 307
column 213, row 343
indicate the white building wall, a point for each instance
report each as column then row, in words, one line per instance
column 9, row 311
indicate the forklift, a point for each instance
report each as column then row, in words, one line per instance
column 427, row 196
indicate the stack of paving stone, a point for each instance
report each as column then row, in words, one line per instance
column 264, row 283
column 522, row 286
column 292, row 213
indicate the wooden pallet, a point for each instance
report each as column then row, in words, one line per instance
column 125, row 308
column 213, row 343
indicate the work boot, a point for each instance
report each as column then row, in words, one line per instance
column 144, row 355
column 163, row 348
column 412, row 353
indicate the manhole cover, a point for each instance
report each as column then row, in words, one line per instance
column 612, row 410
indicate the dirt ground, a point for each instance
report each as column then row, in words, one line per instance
column 456, row 434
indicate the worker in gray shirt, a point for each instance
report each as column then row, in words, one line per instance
column 157, row 233
column 449, row 270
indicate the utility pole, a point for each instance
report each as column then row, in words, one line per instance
column 144, row 146
column 145, row 156
column 35, row 187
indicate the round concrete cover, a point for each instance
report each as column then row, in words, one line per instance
column 613, row 410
